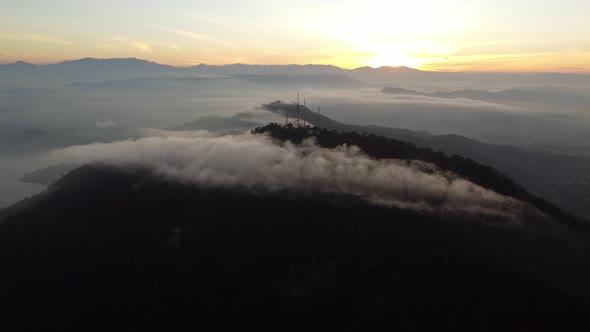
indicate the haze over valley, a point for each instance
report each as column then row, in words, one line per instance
column 94, row 100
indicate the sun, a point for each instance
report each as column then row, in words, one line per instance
column 393, row 59
column 413, row 54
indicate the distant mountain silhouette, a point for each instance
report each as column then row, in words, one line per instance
column 400, row 69
column 49, row 175
column 84, row 70
column 327, row 80
column 121, row 63
column 19, row 68
column 282, row 80
column 243, row 69
column 18, row 65
column 91, row 69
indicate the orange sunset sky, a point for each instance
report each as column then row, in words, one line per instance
column 453, row 35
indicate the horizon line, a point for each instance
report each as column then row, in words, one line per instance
column 582, row 72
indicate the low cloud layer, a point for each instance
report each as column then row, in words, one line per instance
column 105, row 124
column 376, row 96
column 255, row 162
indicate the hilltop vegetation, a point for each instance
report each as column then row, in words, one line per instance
column 381, row 147
column 560, row 179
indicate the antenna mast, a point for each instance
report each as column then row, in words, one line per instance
column 304, row 107
column 319, row 129
column 297, row 121
column 286, row 116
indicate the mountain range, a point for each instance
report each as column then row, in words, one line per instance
column 107, row 69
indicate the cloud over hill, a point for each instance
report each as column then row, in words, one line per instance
column 256, row 162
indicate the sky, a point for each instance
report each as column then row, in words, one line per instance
column 439, row 35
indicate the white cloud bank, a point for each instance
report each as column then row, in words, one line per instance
column 105, row 124
column 255, row 161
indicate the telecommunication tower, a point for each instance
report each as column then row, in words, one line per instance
column 304, row 108
column 297, row 121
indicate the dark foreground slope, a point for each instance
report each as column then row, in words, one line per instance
column 112, row 249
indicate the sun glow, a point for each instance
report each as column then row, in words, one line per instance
column 412, row 54
column 394, row 60
column 452, row 35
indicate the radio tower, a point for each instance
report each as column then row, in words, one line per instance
column 319, row 129
column 304, row 107
column 286, row 116
column 297, row 121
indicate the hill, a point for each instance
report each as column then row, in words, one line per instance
column 82, row 70
column 111, row 246
column 559, row 178
column 386, row 148
column 125, row 246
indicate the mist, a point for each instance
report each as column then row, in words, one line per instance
column 525, row 122
column 256, row 162
column 81, row 103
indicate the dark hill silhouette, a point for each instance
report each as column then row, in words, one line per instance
column 386, row 148
column 559, row 178
column 124, row 249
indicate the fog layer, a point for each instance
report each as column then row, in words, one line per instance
column 256, row 162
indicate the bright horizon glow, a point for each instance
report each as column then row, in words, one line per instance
column 440, row 35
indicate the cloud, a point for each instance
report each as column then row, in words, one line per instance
column 376, row 97
column 163, row 45
column 196, row 36
column 36, row 38
column 185, row 33
column 161, row 133
column 142, row 47
column 105, row 124
column 147, row 47
column 257, row 116
column 571, row 68
column 255, row 161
